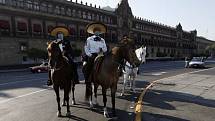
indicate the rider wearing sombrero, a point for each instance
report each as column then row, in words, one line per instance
column 94, row 45
column 61, row 34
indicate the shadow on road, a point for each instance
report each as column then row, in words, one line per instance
column 158, row 117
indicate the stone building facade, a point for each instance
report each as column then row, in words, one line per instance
column 26, row 24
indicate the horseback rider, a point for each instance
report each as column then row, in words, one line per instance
column 93, row 46
column 67, row 51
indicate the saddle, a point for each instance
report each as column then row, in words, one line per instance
column 97, row 63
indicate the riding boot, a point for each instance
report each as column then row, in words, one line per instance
column 49, row 81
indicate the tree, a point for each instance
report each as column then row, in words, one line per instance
column 210, row 50
column 35, row 54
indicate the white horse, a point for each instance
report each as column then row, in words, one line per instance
column 130, row 72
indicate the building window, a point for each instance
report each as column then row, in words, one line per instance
column 29, row 4
column 49, row 28
column 43, row 7
column 4, row 28
column 37, row 28
column 68, row 12
column 72, row 31
column 105, row 19
column 79, row 14
column 57, row 10
column 62, row 11
column 50, row 8
column 89, row 16
column 23, row 47
column 4, row 25
column 84, row 15
column 20, row 3
column 2, row 1
column 22, row 26
column 74, row 13
column 97, row 17
column 82, row 32
column 36, row 6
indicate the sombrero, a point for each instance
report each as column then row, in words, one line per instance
column 98, row 26
column 60, row 29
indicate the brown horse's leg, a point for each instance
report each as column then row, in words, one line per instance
column 113, row 93
column 56, row 89
column 95, row 93
column 105, row 101
column 73, row 94
column 66, row 98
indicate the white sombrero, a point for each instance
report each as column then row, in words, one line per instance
column 98, row 26
column 60, row 29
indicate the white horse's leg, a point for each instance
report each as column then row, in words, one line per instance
column 91, row 103
column 106, row 112
column 133, row 84
column 125, row 77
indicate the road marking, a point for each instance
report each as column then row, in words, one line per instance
column 139, row 105
column 4, row 101
column 20, row 81
column 158, row 74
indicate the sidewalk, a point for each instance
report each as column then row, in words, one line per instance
column 182, row 98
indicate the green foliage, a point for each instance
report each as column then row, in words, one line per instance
column 160, row 54
column 35, row 53
column 210, row 49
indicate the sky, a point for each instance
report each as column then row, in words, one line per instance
column 192, row 14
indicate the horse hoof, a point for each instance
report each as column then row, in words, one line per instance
column 91, row 106
column 63, row 104
column 121, row 94
column 68, row 114
column 59, row 114
column 106, row 115
column 73, row 102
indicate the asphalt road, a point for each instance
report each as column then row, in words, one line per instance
column 25, row 97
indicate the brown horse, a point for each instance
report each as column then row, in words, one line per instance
column 61, row 74
column 108, row 75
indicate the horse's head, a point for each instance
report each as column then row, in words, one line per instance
column 54, row 52
column 141, row 53
column 128, row 51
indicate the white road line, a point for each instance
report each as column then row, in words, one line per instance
column 192, row 72
column 15, row 82
column 4, row 101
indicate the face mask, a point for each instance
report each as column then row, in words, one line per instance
column 97, row 33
